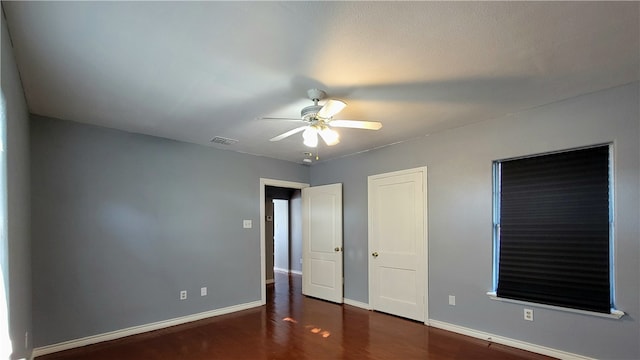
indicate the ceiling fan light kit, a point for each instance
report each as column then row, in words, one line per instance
column 319, row 119
column 330, row 136
column 310, row 137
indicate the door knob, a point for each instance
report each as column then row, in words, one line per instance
column 374, row 254
column 336, row 249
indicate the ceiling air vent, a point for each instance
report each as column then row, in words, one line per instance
column 223, row 140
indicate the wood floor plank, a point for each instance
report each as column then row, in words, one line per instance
column 292, row 326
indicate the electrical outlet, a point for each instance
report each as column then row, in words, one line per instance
column 203, row 291
column 528, row 314
column 452, row 300
column 183, row 295
column 247, row 224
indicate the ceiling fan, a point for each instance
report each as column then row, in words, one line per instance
column 319, row 121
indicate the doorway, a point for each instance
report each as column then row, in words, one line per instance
column 282, row 242
column 283, row 235
column 291, row 192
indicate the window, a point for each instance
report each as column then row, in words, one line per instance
column 553, row 229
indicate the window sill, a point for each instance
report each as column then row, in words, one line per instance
column 615, row 314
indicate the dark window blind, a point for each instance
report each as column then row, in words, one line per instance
column 554, row 230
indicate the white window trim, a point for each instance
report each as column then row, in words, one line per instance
column 614, row 314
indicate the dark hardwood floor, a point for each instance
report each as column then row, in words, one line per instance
column 292, row 326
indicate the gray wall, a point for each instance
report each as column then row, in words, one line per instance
column 122, row 222
column 460, row 217
column 15, row 242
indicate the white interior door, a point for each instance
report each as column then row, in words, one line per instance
column 397, row 243
column 322, row 242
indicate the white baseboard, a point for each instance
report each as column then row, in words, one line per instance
column 287, row 271
column 49, row 349
column 139, row 329
column 507, row 341
column 356, row 304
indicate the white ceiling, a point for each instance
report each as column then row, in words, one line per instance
column 194, row 70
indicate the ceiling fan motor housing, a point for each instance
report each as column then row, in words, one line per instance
column 310, row 113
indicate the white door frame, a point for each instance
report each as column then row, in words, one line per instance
column 263, row 260
column 423, row 170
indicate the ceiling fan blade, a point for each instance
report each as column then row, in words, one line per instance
column 330, row 108
column 288, row 133
column 356, row 124
column 278, row 118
